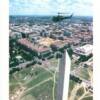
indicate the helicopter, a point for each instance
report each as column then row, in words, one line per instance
column 60, row 17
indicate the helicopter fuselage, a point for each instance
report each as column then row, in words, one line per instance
column 60, row 18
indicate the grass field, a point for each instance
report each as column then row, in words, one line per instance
column 43, row 91
column 84, row 74
column 77, row 91
column 37, row 81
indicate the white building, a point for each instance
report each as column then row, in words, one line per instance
column 84, row 50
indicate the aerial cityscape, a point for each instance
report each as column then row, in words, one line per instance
column 38, row 44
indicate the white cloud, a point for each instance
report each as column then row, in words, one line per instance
column 47, row 7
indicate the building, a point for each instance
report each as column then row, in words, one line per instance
column 85, row 50
column 57, row 45
column 66, row 33
column 44, row 33
column 34, row 37
column 35, row 49
column 46, row 41
column 19, row 59
column 15, row 35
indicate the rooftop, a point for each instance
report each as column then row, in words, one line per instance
column 46, row 41
column 31, row 46
column 84, row 50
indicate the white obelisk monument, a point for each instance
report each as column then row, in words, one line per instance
column 64, row 77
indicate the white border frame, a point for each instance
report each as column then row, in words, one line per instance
column 4, row 50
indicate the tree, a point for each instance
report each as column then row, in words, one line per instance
column 70, row 51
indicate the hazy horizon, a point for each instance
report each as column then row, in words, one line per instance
column 48, row 15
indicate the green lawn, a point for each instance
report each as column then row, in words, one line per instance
column 40, row 78
column 80, row 91
column 42, row 92
column 29, row 73
column 32, row 76
column 13, row 88
column 71, row 85
column 28, row 97
column 73, row 66
column 13, row 84
column 88, row 98
column 84, row 73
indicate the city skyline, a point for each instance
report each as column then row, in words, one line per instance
column 47, row 7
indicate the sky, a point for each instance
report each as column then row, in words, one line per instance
column 50, row 7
